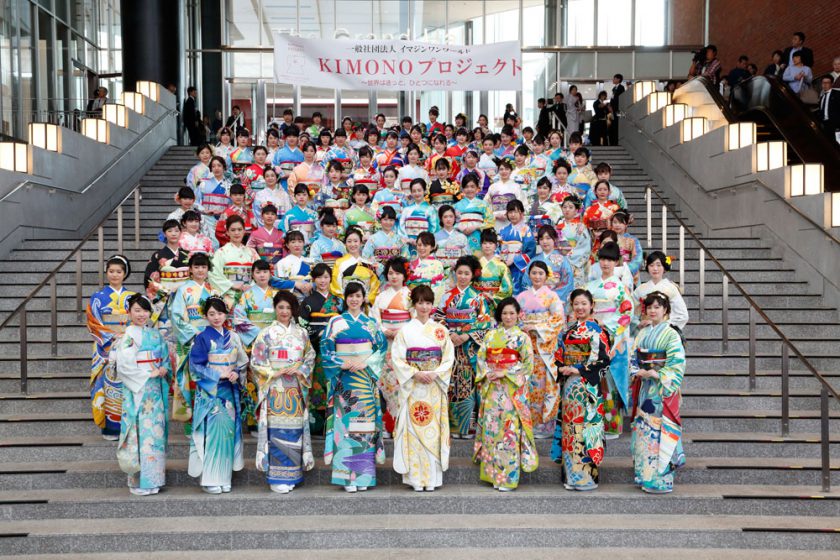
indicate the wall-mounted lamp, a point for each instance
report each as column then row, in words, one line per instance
column 740, row 135
column 675, row 113
column 149, row 89
column 692, row 127
column 45, row 136
column 657, row 100
column 95, row 129
column 770, row 155
column 642, row 89
column 115, row 114
column 134, row 101
column 805, row 179
column 14, row 156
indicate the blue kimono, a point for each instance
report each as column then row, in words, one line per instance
column 478, row 213
column 388, row 197
column 187, row 321
column 327, row 250
column 561, row 279
column 304, row 220
column 285, row 161
column 381, row 247
column 212, row 197
column 517, row 247
column 615, row 195
column 416, row 218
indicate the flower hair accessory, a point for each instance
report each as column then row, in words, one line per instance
column 668, row 260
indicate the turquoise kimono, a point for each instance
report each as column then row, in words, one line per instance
column 185, row 312
column 474, row 212
column 381, row 247
column 561, row 278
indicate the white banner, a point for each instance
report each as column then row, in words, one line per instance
column 396, row 65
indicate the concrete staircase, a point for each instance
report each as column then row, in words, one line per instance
column 745, row 489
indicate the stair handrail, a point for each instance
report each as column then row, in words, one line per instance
column 754, row 309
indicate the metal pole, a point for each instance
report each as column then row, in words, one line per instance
column 24, row 373
column 824, row 442
column 120, row 229
column 137, row 217
column 702, row 271
column 648, row 197
column 53, row 318
column 101, row 235
column 752, row 348
column 724, row 314
column 785, row 389
column 79, row 309
column 682, row 258
column 664, row 229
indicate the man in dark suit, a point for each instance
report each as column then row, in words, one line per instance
column 190, row 117
column 617, row 90
column 543, row 119
column 829, row 109
column 798, row 45
column 559, row 108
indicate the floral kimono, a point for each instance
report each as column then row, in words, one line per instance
column 351, row 269
column 516, row 249
column 198, row 174
column 543, row 319
column 416, row 218
column 504, row 442
column 495, row 281
column 303, row 220
column 451, row 245
column 381, row 247
column 327, row 250
column 216, row 448
column 614, row 311
column 268, row 244
column 362, row 219
column 582, row 179
column 579, row 437
column 407, row 174
column 657, row 427
column 421, row 444
column 284, row 161
column 368, row 177
column 354, row 426
column 544, row 213
column 498, row 196
column 576, row 244
column 199, row 243
column 187, row 322
column 597, row 217
column 107, row 318
column 465, row 312
column 560, row 279
column 444, row 192
column 284, row 448
column 388, row 197
column 212, row 198
column 252, row 179
column 240, row 158
column 141, row 451
column 679, row 311
column 231, row 264
column 305, row 174
column 315, row 312
column 391, row 310
column 429, row 271
column 474, row 213
column 288, row 270
column 615, row 195
column 277, row 197
column 631, row 254
column 526, row 178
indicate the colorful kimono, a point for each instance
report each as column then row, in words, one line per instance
column 631, row 254
column 243, row 212
column 240, row 158
column 543, row 319
column 429, row 271
column 141, row 451
column 352, row 269
column 354, row 426
column 198, row 243
column 421, row 444
column 304, row 220
column 344, row 155
column 451, row 245
column 383, row 246
column 560, row 277
column 268, row 244
column 388, row 157
column 289, row 270
column 444, row 192
column 197, row 175
column 252, row 179
column 526, row 178
column 284, row 448
column 579, row 436
column 315, row 312
column 107, row 318
column 576, row 244
column 407, row 174
column 582, row 179
column 391, row 312
column 327, row 250
column 224, row 151
column 285, row 160
column 679, row 311
column 277, row 197
column 614, row 310
column 362, row 219
column 504, row 443
column 487, row 164
column 498, row 196
column 216, row 448
column 597, row 217
column 516, row 249
column 368, row 177
column 388, row 197
column 495, row 281
column 465, row 312
column 416, row 218
column 231, row 264
column 474, row 213
column 559, row 191
column 312, row 176
column 544, row 213
column 657, row 427
column 615, row 195
column 483, row 183
column 187, row 322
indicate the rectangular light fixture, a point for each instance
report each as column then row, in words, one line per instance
column 134, row 101
column 740, row 135
column 14, row 156
column 45, row 136
column 692, row 127
column 806, row 179
column 149, row 89
column 115, row 114
column 642, row 89
column 675, row 113
column 658, row 100
column 835, row 209
column 770, row 155
column 95, row 129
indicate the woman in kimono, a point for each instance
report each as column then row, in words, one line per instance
column 253, row 176
column 231, row 273
column 412, row 170
column 389, row 196
column 495, row 281
column 187, row 322
column 561, row 275
column 658, row 369
column 583, row 355
column 467, row 315
column 582, row 178
column 192, row 240
column 575, row 241
column 272, row 194
column 107, row 319
column 224, row 148
column 629, row 245
column 281, row 365
column 451, row 243
column 518, row 245
column 560, row 187
column 217, row 365
column 473, row 215
column 212, row 198
column 309, row 172
column 360, row 215
column 242, row 156
column 353, row 268
column 614, row 310
column 418, row 216
column 353, row 350
column 597, row 217
column 656, row 265
column 385, row 244
column 141, row 358
column 426, row 269
column 423, row 356
column 504, row 443
column 200, row 172
column 501, row 192
column 621, row 271
column 391, row 312
column 543, row 319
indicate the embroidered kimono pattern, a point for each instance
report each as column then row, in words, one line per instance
column 353, row 443
column 428, row 271
column 495, row 281
column 679, row 310
column 303, row 220
column 383, row 246
column 421, row 444
column 349, row 269
column 597, row 217
column 657, row 427
column 326, row 250
column 560, row 279
column 315, row 312
column 231, row 264
column 198, row 243
column 388, row 197
column 416, row 218
column 474, row 215
column 277, row 197
column 576, row 244
column 187, row 322
column 391, row 312
column 362, row 219
column 451, row 245
column 284, row 447
column 579, row 436
column 498, row 195
column 504, row 442
column 516, row 249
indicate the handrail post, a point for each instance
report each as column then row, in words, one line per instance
column 752, row 348
column 137, row 218
column 79, row 309
column 824, row 441
column 702, row 271
column 724, row 314
column 664, row 229
column 649, row 201
column 53, row 318
column 682, row 258
column 785, row 389
column 24, row 365
column 120, row 229
column 101, row 261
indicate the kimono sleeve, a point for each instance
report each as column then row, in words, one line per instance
column 261, row 371
column 582, row 249
column 216, row 275
column 671, row 374
column 204, row 376
column 520, row 374
column 183, row 328
column 635, row 265
column 403, row 370
column 599, row 357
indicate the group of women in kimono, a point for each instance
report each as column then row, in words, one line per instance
column 411, row 288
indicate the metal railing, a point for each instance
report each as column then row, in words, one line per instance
column 754, row 311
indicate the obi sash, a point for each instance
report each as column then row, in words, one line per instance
column 414, row 225
column 424, row 359
column 509, row 248
column 314, row 187
column 500, row 201
column 239, row 167
column 366, row 228
column 343, row 190
column 331, row 257
column 219, row 361
column 535, row 317
column 502, row 358
column 396, row 204
column 354, row 350
column 487, row 286
column 285, row 168
column 576, row 351
column 238, row 272
column 599, row 224
column 536, row 222
column 306, row 227
column 283, row 356
column 449, row 255
column 405, row 184
column 260, row 317
column 394, row 318
column 346, row 164
column 367, row 181
column 172, row 278
column 441, row 198
column 115, row 322
column 214, row 203
column 318, row 319
column 651, row 359
column 460, row 320
column 194, row 315
column 269, row 252
column 148, row 360
column 471, row 218
column 383, row 254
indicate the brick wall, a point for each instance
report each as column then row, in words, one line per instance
column 757, row 27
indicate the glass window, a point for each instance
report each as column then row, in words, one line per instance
column 533, row 18
column 429, row 21
column 612, row 63
column 539, row 79
column 615, row 22
column 466, row 22
column 282, row 15
column 390, row 18
column 243, row 23
column 278, row 97
column 317, row 99
column 354, row 17
column 502, row 20
column 650, row 22
column 580, row 23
